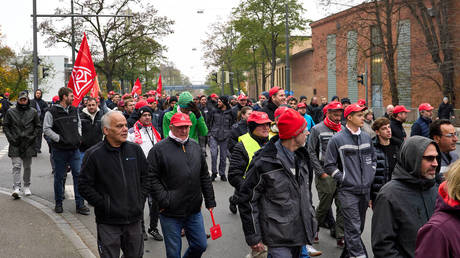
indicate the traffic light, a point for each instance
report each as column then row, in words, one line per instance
column 45, row 71
column 214, row 77
column 361, row 79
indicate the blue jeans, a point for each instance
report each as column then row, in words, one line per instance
column 194, row 231
column 61, row 159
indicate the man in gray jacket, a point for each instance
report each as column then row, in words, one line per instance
column 407, row 202
column 351, row 161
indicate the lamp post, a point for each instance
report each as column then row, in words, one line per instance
column 288, row 67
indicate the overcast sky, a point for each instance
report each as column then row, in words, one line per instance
column 189, row 29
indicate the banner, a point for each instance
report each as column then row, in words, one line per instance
column 95, row 89
column 137, row 89
column 159, row 86
column 83, row 73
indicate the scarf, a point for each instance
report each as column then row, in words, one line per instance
column 137, row 134
column 177, row 139
column 331, row 125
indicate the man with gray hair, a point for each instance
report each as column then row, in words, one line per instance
column 113, row 179
column 389, row 111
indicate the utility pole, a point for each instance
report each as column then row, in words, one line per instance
column 222, row 81
column 365, row 84
column 72, row 16
column 288, row 68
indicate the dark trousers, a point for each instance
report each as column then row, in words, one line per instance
column 218, row 148
column 327, row 192
column 354, row 207
column 153, row 213
column 284, row 252
column 62, row 158
column 113, row 238
column 38, row 141
column 203, row 140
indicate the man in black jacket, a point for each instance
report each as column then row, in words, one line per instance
column 180, row 179
column 114, row 179
column 62, row 126
column 91, row 129
column 41, row 106
column 446, row 110
column 275, row 202
column 397, row 119
column 277, row 97
column 407, row 202
column 21, row 126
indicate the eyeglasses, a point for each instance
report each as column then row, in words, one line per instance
column 430, row 158
column 450, row 135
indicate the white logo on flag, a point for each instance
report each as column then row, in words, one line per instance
column 82, row 78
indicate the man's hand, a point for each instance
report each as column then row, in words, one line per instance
column 258, row 247
column 211, row 209
column 324, row 175
column 194, row 108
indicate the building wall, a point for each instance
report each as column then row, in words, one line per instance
column 302, row 74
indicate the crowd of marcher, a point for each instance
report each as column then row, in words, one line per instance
column 126, row 151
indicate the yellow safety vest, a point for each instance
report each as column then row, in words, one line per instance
column 251, row 147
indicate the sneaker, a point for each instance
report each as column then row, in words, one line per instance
column 312, row 251
column 341, row 243
column 232, row 206
column 16, row 193
column 155, row 234
column 223, row 178
column 27, row 191
column 316, row 239
column 145, row 236
column 58, row 208
column 83, row 210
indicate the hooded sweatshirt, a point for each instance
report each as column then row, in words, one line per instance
column 404, row 204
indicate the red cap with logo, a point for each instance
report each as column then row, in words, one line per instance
column 279, row 111
column 111, row 92
column 151, row 100
column 400, row 108
column 361, row 102
column 55, row 99
column 180, row 119
column 259, row 118
column 140, row 104
column 334, row 105
column 355, row 107
column 214, row 95
column 240, row 97
column 301, row 105
column 274, row 90
column 290, row 124
column 424, row 106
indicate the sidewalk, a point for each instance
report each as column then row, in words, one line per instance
column 26, row 231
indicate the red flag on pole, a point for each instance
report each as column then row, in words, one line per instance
column 137, row 89
column 95, row 89
column 159, row 86
column 83, row 73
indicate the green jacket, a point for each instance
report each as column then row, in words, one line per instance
column 198, row 127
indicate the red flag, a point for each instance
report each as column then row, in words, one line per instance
column 159, row 86
column 95, row 89
column 83, row 73
column 137, row 89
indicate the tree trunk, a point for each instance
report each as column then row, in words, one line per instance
column 264, row 77
column 273, row 62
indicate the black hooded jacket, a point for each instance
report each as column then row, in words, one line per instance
column 40, row 105
column 404, row 204
column 270, row 108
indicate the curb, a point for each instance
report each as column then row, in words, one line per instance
column 71, row 227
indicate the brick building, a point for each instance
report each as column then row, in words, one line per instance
column 343, row 47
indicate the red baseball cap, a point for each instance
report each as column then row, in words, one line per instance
column 6, row 94
column 151, row 100
column 214, row 95
column 151, row 92
column 361, row 102
column 274, row 90
column 301, row 105
column 121, row 103
column 259, row 118
column 111, row 92
column 140, row 104
column 355, row 107
column 279, row 111
column 334, row 105
column 126, row 95
column 180, row 119
column 55, row 99
column 291, row 124
column 425, row 106
column 400, row 108
column 240, row 97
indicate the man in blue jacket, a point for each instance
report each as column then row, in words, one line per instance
column 351, row 161
column 422, row 125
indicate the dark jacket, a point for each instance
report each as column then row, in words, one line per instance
column 41, row 106
column 274, row 203
column 270, row 108
column 21, row 127
column 220, row 123
column 5, row 105
column 318, row 139
column 421, row 127
column 440, row 236
column 386, row 160
column 445, row 111
column 397, row 130
column 91, row 130
column 316, row 112
column 65, row 123
column 133, row 118
column 404, row 204
column 115, row 181
column 180, row 178
column 350, row 160
column 238, row 129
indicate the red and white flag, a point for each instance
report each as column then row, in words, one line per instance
column 95, row 89
column 83, row 73
column 159, row 86
column 137, row 89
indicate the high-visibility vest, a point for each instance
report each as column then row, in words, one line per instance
column 250, row 145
